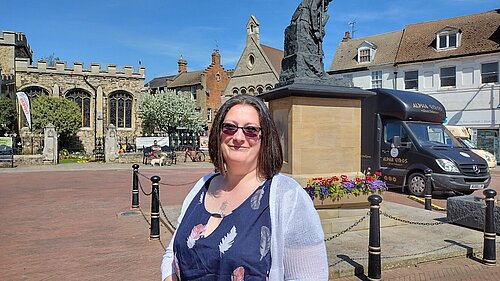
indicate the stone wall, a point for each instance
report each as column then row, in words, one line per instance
column 60, row 79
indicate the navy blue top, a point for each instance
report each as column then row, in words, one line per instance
column 238, row 249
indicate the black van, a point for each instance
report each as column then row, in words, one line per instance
column 402, row 135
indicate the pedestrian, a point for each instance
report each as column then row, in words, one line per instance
column 246, row 221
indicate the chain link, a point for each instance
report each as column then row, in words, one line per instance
column 144, row 192
column 169, row 184
column 428, row 223
column 165, row 215
column 349, row 228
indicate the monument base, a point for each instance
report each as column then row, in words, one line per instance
column 459, row 207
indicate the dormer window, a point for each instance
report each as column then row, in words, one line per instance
column 364, row 55
column 366, row 52
column 448, row 38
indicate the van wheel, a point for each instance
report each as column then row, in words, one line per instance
column 416, row 184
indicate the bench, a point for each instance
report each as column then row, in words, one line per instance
column 146, row 154
column 7, row 155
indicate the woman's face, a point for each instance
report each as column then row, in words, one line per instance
column 241, row 151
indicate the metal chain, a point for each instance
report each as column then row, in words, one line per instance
column 165, row 215
column 169, row 184
column 426, row 223
column 349, row 228
column 140, row 185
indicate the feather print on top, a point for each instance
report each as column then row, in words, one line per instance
column 238, row 274
column 227, row 241
column 196, row 233
column 265, row 241
column 201, row 198
column 256, row 197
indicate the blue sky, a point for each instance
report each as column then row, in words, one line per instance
column 157, row 33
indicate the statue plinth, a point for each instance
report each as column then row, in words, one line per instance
column 319, row 127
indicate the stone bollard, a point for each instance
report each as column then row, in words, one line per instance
column 489, row 246
column 135, row 186
column 428, row 189
column 155, row 208
column 374, row 250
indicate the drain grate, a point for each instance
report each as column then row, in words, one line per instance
column 130, row 213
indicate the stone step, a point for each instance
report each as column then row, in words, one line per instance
column 336, row 220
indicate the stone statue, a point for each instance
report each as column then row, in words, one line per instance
column 303, row 52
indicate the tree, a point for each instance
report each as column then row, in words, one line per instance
column 51, row 60
column 168, row 111
column 62, row 113
column 7, row 115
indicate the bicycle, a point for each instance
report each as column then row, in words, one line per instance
column 195, row 155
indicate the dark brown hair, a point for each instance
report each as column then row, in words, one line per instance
column 270, row 159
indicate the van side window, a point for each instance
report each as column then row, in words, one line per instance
column 392, row 129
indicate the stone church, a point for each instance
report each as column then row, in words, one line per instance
column 106, row 95
column 258, row 68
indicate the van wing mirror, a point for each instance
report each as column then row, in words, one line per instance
column 396, row 141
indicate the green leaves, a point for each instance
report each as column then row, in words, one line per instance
column 64, row 114
column 168, row 111
column 7, row 115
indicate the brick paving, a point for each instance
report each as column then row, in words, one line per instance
column 66, row 225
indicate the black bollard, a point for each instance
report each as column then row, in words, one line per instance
column 428, row 189
column 155, row 210
column 135, row 186
column 374, row 250
column 489, row 246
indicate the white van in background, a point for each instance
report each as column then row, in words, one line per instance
column 463, row 135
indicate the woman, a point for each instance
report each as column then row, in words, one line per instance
column 247, row 222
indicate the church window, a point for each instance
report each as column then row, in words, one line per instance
column 82, row 99
column 120, row 109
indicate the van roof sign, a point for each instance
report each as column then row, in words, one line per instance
column 406, row 105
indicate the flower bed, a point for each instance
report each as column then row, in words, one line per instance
column 331, row 190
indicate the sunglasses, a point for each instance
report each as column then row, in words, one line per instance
column 248, row 131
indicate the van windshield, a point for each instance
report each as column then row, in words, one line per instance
column 433, row 135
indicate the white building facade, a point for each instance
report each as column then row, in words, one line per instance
column 454, row 60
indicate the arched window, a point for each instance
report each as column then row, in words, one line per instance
column 82, row 98
column 32, row 92
column 260, row 90
column 243, row 91
column 235, row 91
column 35, row 91
column 120, row 109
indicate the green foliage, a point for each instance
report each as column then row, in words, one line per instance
column 62, row 113
column 168, row 111
column 7, row 115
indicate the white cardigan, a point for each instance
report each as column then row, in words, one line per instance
column 298, row 249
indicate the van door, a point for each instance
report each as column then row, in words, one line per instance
column 394, row 156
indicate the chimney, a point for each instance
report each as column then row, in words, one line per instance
column 347, row 36
column 182, row 65
column 215, row 57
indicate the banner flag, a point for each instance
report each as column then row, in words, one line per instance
column 24, row 101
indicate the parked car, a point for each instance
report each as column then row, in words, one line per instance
column 461, row 133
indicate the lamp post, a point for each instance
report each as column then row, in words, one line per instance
column 85, row 78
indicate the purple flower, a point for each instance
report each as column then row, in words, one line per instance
column 323, row 190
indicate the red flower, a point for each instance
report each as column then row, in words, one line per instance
column 358, row 179
column 378, row 173
column 238, row 274
column 197, row 231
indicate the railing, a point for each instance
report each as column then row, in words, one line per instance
column 374, row 246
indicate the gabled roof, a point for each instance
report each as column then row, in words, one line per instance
column 189, row 78
column 480, row 33
column 274, row 55
column 347, row 52
column 159, row 82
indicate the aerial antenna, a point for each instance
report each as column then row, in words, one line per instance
column 352, row 24
column 216, row 44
